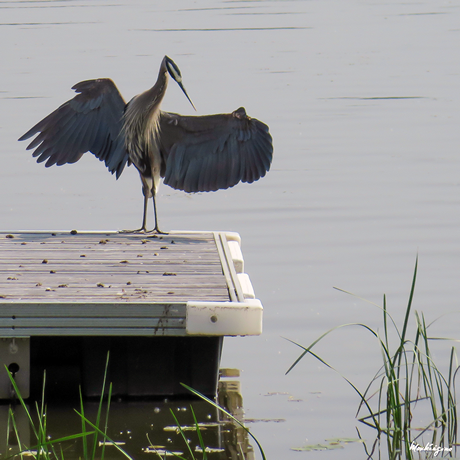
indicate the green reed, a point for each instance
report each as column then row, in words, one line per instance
column 408, row 374
column 46, row 448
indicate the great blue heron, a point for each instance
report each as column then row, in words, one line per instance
column 192, row 153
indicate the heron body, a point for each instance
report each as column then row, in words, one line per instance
column 191, row 153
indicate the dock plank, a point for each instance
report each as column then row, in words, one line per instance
column 109, row 267
column 112, row 284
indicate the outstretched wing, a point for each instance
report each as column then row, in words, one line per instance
column 91, row 121
column 208, row 153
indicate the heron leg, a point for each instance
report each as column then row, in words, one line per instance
column 143, row 229
column 157, row 228
column 144, row 218
column 149, row 191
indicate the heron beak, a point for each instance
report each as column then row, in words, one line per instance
column 185, row 92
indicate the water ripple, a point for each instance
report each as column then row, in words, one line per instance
column 229, row 29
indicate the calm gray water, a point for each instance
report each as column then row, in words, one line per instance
column 362, row 99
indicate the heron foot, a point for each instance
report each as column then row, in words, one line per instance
column 139, row 230
column 157, row 231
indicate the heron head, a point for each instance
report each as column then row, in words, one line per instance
column 174, row 71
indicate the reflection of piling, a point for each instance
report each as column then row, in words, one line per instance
column 236, row 439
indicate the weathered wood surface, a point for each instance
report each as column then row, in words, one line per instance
column 110, row 268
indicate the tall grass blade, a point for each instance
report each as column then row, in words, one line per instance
column 106, row 426
column 16, row 434
column 307, row 349
column 200, row 437
column 409, row 305
column 181, row 431
column 21, row 401
column 83, row 426
column 99, row 409
column 99, row 431
column 407, row 376
column 228, row 414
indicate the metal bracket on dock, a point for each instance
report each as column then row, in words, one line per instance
column 15, row 355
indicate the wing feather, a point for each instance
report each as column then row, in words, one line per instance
column 214, row 152
column 91, row 121
column 204, row 172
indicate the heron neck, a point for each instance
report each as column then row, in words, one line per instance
column 156, row 93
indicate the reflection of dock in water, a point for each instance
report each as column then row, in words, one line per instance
column 145, row 429
column 236, row 439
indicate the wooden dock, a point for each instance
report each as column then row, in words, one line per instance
column 110, row 284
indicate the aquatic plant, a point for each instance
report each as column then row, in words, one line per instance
column 181, row 431
column 408, row 375
column 46, row 448
column 43, row 447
